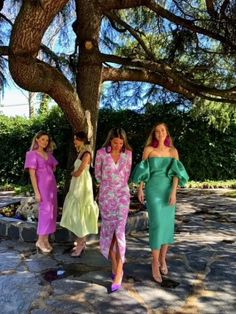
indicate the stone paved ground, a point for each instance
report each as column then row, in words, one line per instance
column 202, row 277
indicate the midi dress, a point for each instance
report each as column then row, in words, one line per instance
column 80, row 211
column 44, row 170
column 114, row 198
column 158, row 174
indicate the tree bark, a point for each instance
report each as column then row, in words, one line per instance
column 32, row 74
column 89, row 67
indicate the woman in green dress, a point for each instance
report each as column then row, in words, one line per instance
column 161, row 172
column 80, row 211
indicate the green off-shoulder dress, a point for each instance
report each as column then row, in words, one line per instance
column 158, row 173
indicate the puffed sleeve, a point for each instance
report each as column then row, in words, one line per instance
column 177, row 170
column 141, row 172
column 30, row 160
column 98, row 166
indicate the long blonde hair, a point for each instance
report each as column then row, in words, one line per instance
column 51, row 144
column 152, row 141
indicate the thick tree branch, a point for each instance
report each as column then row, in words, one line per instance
column 211, row 9
column 120, row 4
column 35, row 75
column 162, row 74
column 189, row 24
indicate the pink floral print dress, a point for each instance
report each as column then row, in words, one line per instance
column 114, row 198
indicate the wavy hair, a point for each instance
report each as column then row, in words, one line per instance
column 51, row 144
column 152, row 141
column 116, row 133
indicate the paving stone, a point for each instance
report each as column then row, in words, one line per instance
column 28, row 234
column 201, row 279
column 18, row 291
column 9, row 260
column 3, row 229
column 13, row 232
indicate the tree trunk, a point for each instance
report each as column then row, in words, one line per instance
column 89, row 67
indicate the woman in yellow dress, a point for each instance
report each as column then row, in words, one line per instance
column 80, row 211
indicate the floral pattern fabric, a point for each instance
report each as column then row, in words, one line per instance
column 114, row 198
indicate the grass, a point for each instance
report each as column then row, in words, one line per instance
column 210, row 184
column 230, row 194
column 18, row 189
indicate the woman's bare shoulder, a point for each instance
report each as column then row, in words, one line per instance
column 174, row 153
column 146, row 152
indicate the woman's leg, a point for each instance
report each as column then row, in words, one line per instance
column 155, row 266
column 79, row 247
column 119, row 270
column 42, row 244
column 112, row 255
column 162, row 259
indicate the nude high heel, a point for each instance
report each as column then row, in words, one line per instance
column 41, row 249
column 156, row 274
column 78, row 250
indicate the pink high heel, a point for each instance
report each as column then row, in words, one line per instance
column 115, row 286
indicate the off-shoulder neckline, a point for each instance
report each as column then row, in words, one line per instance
column 161, row 157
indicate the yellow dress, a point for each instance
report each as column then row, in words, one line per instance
column 80, row 211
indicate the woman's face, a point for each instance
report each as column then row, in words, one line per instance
column 160, row 132
column 117, row 144
column 77, row 142
column 42, row 141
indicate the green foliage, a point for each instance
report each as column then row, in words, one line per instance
column 230, row 194
column 16, row 137
column 207, row 150
column 210, row 184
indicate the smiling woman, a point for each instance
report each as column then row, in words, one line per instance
column 41, row 165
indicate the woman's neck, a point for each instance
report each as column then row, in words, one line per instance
column 115, row 152
column 41, row 150
column 161, row 145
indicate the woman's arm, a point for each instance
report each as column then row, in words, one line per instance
column 146, row 153
column 85, row 162
column 98, row 166
column 172, row 200
column 128, row 165
column 35, row 184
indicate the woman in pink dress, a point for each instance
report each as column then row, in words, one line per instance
column 112, row 170
column 41, row 165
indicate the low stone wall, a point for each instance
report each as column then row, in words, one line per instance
column 16, row 229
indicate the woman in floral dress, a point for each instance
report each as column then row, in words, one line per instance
column 112, row 170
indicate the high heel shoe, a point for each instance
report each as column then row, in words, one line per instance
column 156, row 274
column 42, row 250
column 78, row 250
column 115, row 286
column 164, row 270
